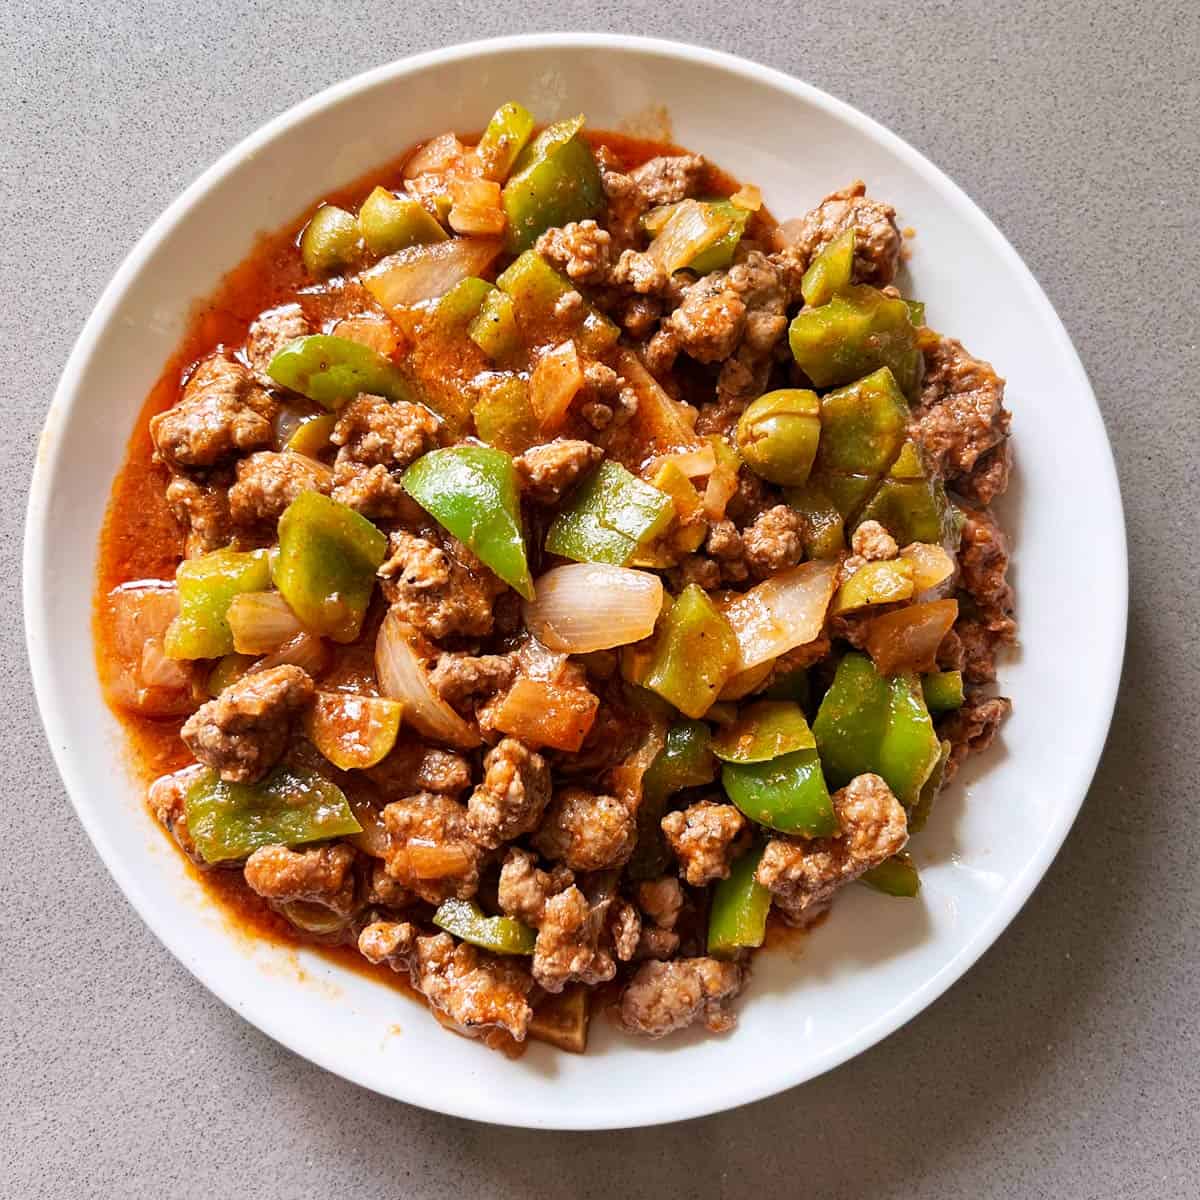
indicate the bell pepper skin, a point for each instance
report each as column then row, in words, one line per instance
column 824, row 531
column 863, row 426
column 909, row 504
column 330, row 240
column 503, row 416
column 328, row 556
column 795, row 686
column 764, row 730
column 228, row 669
column 829, row 273
column 897, row 876
column 333, row 370
column 787, row 794
column 312, row 436
column 494, row 329
column 610, row 517
column 555, row 180
column 919, row 815
column 461, row 304
column 536, row 288
column 207, row 586
column 874, row 583
column 472, row 491
column 737, row 918
column 390, row 223
column 720, row 255
column 916, row 313
column 943, row 691
column 695, row 653
column 854, row 333
column 501, row 935
column 506, row 135
column 227, row 821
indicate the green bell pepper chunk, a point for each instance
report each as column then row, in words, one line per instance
column 857, row 331
column 495, row 330
column 504, row 418
column 916, row 313
column 228, row 669
column 207, row 586
column 461, row 304
column 787, row 793
column 829, row 273
column 764, row 730
column 555, row 180
column 536, row 288
column 897, row 876
column 472, row 492
column 611, row 515
column 909, row 504
column 686, row 760
column 720, row 254
column 824, row 535
column 943, row 691
column 863, row 426
column 695, row 653
column 333, row 370
column 328, row 556
column 504, row 138
column 329, row 240
column 227, row 821
column 390, row 223
column 737, row 918
column 311, row 436
column 919, row 815
column 795, row 686
column 870, row 723
column 501, row 935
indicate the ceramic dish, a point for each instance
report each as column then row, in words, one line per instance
column 876, row 962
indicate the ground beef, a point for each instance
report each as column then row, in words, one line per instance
column 459, row 678
column 268, row 482
column 525, row 888
column 625, row 205
column 705, row 838
column 656, row 943
column 661, row 900
column 707, row 325
column 988, row 478
column 587, row 832
column 669, row 178
column 605, row 399
column 987, row 623
column 960, row 415
column 549, row 471
column 568, row 947
column 384, row 892
column 624, row 928
column 203, row 510
column 759, row 283
column 431, row 851
column 242, row 733
column 665, row 996
column 980, row 642
column 972, row 728
column 270, row 333
column 876, row 238
column 872, row 543
column 442, row 592
column 773, row 541
column 223, row 411
column 804, row 872
column 640, row 273
column 581, row 250
column 415, row 767
column 388, row 942
column 513, row 795
column 322, row 875
column 753, row 497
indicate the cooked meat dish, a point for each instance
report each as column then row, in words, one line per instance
column 540, row 572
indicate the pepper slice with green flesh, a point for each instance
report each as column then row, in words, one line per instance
column 737, row 918
column 504, row 138
column 764, row 730
column 227, row 821
column 501, row 935
column 919, row 815
column 329, row 241
column 856, row 332
column 943, row 691
column 720, row 255
column 863, row 426
column 874, row 583
column 461, row 304
column 829, row 273
column 909, row 504
column 823, row 534
column 328, row 556
column 353, row 732
column 472, row 492
column 896, row 876
column 536, row 288
column 207, row 586
column 312, row 435
column 695, row 653
column 610, row 517
column 333, row 370
column 390, row 223
column 555, row 180
column 494, row 329
column 795, row 686
column 869, row 723
column 503, row 415
column 787, row 794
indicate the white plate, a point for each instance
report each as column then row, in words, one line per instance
column 877, row 961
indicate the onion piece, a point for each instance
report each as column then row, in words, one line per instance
column 262, row 622
column 691, row 229
column 138, row 675
column 421, row 273
column 721, row 487
column 666, row 424
column 377, row 333
column 747, row 197
column 438, row 154
column 785, row 611
column 475, row 206
column 908, row 638
column 555, row 382
column 693, row 463
column 583, row 607
column 313, row 917
column 931, row 564
column 374, row 838
column 402, row 676
column 305, row 650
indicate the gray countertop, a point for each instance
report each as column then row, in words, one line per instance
column 1067, row 1063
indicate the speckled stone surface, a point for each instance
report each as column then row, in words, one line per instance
column 1067, row 1063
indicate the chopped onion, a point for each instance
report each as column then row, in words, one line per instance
column 430, row 860
column 745, row 682
column 625, row 779
column 693, row 463
column 908, row 638
column 583, row 607
column 540, row 662
column 374, row 838
column 139, row 676
column 475, row 206
column 665, row 424
column 422, row 273
column 747, row 197
column 262, row 622
column 931, row 565
column 379, row 334
column 313, row 917
column 555, row 382
column 438, row 154
column 691, row 229
column 721, row 488
column 305, row 650
column 159, row 671
column 402, row 676
column 786, row 611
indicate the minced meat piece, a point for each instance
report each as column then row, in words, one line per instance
column 661, row 900
column 581, row 250
column 459, row 677
column 669, row 178
column 383, row 891
column 802, row 872
column 513, row 795
column 415, row 767
column 525, row 888
column 321, row 875
column 568, row 948
column 268, row 482
column 270, row 333
column 773, row 541
column 442, row 592
column 972, row 728
column 242, row 733
column 549, row 471
column 723, row 544
column 705, row 838
column 708, row 324
column 872, row 542
column 605, row 399
column 388, row 942
column 980, row 641
column 876, row 238
column 640, row 273
column 665, row 996
column 624, row 928
column 587, row 832
column 431, row 851
column 223, row 411
column 988, row 478
column 655, row 942
column 983, row 563
column 203, row 511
